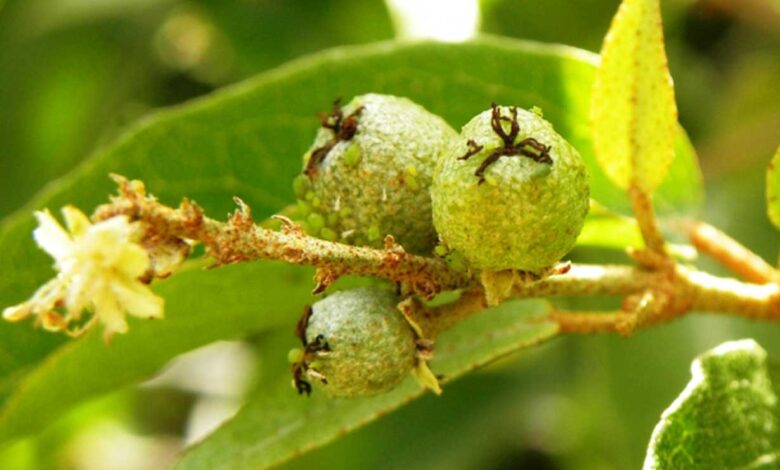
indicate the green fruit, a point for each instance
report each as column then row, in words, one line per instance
column 511, row 193
column 362, row 343
column 370, row 168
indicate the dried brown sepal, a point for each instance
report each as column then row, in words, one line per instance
column 288, row 226
column 323, row 278
column 311, row 350
column 343, row 128
column 302, row 324
column 528, row 147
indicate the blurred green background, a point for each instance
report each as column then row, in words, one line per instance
column 74, row 73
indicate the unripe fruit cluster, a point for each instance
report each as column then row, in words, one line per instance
column 508, row 193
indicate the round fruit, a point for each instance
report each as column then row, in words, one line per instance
column 511, row 193
column 357, row 343
column 369, row 171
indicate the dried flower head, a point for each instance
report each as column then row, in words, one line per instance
column 99, row 266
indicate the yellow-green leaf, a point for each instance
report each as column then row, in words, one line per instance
column 633, row 112
column 773, row 189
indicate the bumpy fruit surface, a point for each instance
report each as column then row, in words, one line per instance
column 511, row 193
column 369, row 170
column 371, row 345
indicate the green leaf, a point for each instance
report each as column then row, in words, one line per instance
column 727, row 417
column 247, row 141
column 277, row 424
column 634, row 115
column 773, row 189
column 250, row 27
column 200, row 309
column 605, row 228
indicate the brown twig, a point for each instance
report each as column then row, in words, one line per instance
column 433, row 321
column 240, row 239
column 642, row 205
column 731, row 254
column 586, row 322
column 686, row 291
column 653, row 292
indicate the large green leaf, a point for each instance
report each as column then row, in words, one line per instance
column 634, row 115
column 250, row 27
column 773, row 189
column 727, row 417
column 246, row 141
column 276, row 424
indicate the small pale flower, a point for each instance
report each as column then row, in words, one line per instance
column 99, row 266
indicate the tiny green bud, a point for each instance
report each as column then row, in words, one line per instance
column 301, row 185
column 352, row 154
column 456, row 261
column 316, row 221
column 303, row 208
column 373, row 233
column 295, row 355
column 328, row 234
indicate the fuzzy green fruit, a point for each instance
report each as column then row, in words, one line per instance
column 511, row 194
column 369, row 171
column 364, row 345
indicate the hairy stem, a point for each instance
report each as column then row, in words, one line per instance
column 586, row 322
column 590, row 280
column 655, row 291
column 650, row 297
column 731, row 254
column 707, row 293
column 436, row 320
column 240, row 240
column 642, row 205
column 687, row 290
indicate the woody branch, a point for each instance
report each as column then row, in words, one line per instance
column 649, row 296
